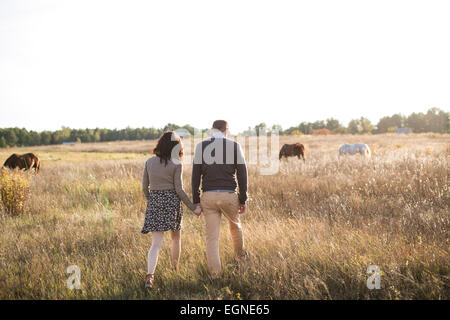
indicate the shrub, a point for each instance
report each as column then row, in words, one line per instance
column 296, row 133
column 392, row 129
column 14, row 190
column 322, row 132
column 339, row 130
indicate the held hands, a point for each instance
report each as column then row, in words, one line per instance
column 198, row 210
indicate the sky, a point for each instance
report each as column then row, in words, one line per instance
column 113, row 64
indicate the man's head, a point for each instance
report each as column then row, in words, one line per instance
column 220, row 125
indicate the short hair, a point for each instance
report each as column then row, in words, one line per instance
column 221, row 125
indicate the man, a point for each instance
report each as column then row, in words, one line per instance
column 217, row 163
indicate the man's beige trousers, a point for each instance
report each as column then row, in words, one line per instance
column 214, row 204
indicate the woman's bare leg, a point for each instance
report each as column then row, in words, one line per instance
column 157, row 240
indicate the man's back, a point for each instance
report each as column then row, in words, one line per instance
column 217, row 163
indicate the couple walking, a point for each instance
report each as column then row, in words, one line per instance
column 218, row 163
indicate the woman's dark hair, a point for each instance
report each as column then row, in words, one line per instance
column 166, row 143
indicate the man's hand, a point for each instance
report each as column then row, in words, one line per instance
column 198, row 210
column 242, row 208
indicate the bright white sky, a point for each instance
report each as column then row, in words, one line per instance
column 146, row 63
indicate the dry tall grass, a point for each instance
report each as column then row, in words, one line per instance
column 312, row 229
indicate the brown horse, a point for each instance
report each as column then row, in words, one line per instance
column 25, row 161
column 292, row 150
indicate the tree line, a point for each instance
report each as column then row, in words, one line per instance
column 11, row 137
column 434, row 120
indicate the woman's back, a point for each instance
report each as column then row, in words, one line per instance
column 160, row 175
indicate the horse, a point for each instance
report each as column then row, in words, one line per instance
column 292, row 150
column 361, row 148
column 25, row 161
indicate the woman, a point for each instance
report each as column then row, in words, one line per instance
column 163, row 174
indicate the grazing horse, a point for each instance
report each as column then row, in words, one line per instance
column 292, row 150
column 361, row 148
column 25, row 161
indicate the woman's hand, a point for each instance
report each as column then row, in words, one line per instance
column 198, row 210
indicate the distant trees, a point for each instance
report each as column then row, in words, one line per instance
column 416, row 121
column 35, row 138
column 3, row 142
column 330, row 124
column 366, row 125
column 22, row 137
column 10, row 137
column 354, row 126
column 387, row 124
column 307, row 127
column 360, row 126
column 255, row 131
column 434, row 120
column 46, row 138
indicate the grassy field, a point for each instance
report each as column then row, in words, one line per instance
column 312, row 229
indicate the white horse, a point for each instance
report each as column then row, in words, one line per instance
column 361, row 148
